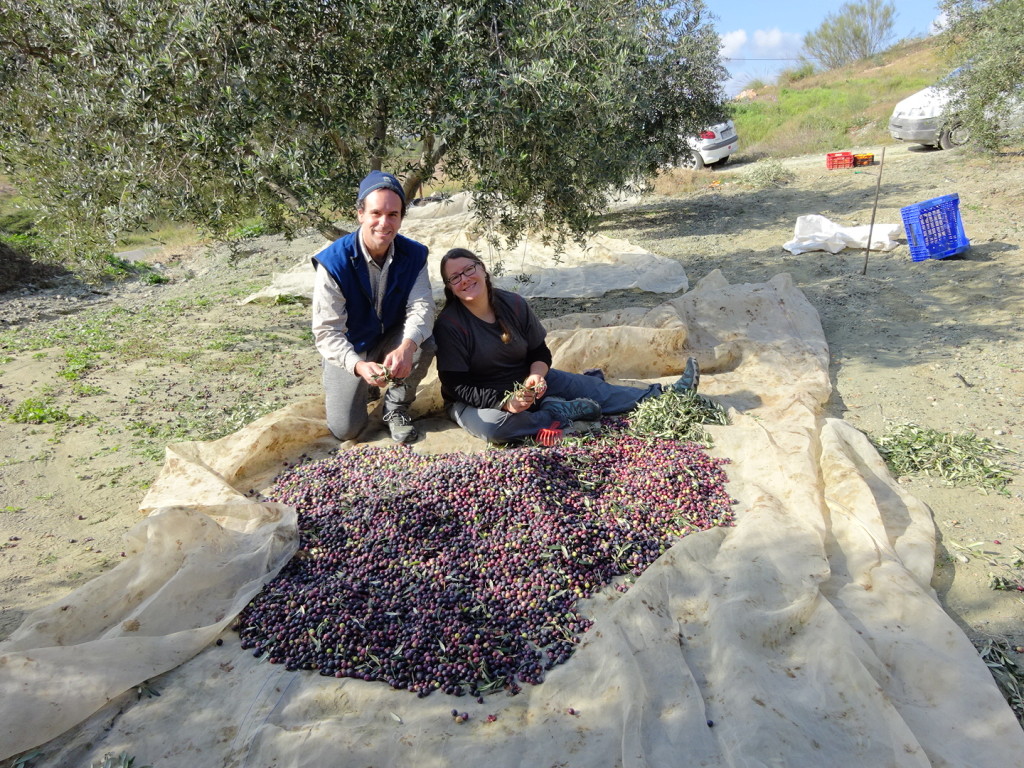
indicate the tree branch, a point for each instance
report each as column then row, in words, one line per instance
column 312, row 218
column 340, row 144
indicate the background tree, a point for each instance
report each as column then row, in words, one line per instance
column 985, row 39
column 212, row 111
column 856, row 31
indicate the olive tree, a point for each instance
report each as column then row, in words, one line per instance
column 856, row 31
column 212, row 111
column 985, row 38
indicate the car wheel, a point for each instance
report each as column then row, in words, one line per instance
column 956, row 136
column 691, row 161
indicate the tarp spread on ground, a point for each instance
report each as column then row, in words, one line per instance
column 806, row 635
column 530, row 268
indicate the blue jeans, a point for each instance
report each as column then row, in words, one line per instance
column 497, row 426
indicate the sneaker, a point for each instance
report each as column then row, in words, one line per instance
column 690, row 378
column 401, row 427
column 568, row 411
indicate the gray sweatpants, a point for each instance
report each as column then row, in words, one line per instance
column 345, row 394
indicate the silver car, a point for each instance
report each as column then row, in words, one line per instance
column 712, row 147
column 925, row 117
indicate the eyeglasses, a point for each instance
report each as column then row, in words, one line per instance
column 457, row 277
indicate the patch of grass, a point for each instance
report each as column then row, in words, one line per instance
column 228, row 340
column 960, row 459
column 187, row 304
column 151, row 451
column 113, row 268
column 679, row 182
column 168, row 234
column 196, row 421
column 250, row 229
column 86, row 390
column 152, row 277
column 16, row 221
column 92, row 331
column 77, row 363
column 39, row 410
column 796, row 74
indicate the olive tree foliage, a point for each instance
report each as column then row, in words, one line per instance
column 986, row 39
column 856, row 31
column 214, row 111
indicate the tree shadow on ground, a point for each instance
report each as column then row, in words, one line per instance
column 18, row 270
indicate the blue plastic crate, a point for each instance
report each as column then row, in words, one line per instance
column 934, row 229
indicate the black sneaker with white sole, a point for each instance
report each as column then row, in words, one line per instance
column 401, row 427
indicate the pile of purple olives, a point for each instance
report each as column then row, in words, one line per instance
column 460, row 572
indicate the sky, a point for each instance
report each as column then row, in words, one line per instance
column 755, row 35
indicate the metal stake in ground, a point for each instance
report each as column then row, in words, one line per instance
column 871, row 229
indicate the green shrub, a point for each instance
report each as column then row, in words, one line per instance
column 767, row 173
column 17, row 222
column 796, row 74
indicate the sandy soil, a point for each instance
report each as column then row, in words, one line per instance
column 939, row 343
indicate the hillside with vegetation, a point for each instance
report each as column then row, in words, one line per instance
column 808, row 112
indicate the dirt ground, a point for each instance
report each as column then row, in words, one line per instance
column 939, row 343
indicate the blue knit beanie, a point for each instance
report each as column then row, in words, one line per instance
column 379, row 180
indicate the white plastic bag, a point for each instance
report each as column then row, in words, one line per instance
column 816, row 233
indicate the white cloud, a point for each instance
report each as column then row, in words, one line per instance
column 938, row 24
column 763, row 44
column 755, row 56
column 733, row 42
column 774, row 43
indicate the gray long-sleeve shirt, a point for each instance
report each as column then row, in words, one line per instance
column 330, row 318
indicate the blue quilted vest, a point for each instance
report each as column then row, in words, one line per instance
column 344, row 261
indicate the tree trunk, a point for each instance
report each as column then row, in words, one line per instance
column 429, row 158
column 378, row 143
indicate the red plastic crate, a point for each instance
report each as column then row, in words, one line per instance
column 839, row 160
column 864, row 159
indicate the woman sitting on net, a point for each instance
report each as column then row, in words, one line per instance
column 495, row 367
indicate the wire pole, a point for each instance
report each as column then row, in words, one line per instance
column 871, row 229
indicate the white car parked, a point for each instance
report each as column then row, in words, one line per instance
column 919, row 118
column 712, row 147
column 922, row 118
